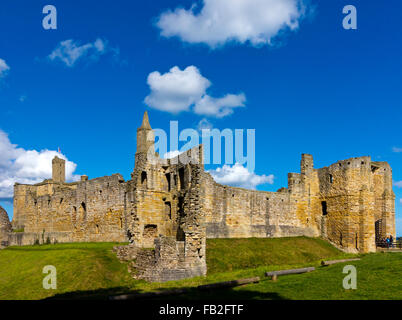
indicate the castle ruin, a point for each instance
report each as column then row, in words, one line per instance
column 174, row 206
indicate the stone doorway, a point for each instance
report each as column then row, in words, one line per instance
column 149, row 235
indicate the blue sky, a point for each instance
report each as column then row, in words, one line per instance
column 314, row 88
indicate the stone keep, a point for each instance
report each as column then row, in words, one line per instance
column 174, row 205
column 58, row 170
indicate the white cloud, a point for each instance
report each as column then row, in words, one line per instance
column 26, row 166
column 4, row 68
column 204, row 124
column 70, row 51
column 179, row 90
column 398, row 184
column 397, row 150
column 176, row 90
column 222, row 21
column 239, row 176
column 171, row 154
column 400, row 200
column 219, row 107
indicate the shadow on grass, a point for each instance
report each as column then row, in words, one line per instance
column 98, row 294
column 191, row 294
column 225, row 294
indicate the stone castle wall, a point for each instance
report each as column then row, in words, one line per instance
column 356, row 195
column 348, row 198
column 174, row 205
column 89, row 210
column 240, row 213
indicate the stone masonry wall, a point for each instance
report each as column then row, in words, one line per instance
column 90, row 210
column 354, row 193
column 239, row 213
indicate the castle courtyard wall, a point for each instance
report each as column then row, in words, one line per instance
column 232, row 212
column 92, row 210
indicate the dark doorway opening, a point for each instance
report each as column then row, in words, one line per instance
column 180, row 236
column 83, row 211
column 181, row 178
column 149, row 235
column 143, row 178
column 324, row 208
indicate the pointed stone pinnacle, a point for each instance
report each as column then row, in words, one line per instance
column 145, row 122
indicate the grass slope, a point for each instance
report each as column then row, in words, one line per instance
column 379, row 277
column 234, row 254
column 92, row 270
column 80, row 266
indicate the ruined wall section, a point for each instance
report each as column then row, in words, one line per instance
column 308, row 194
column 178, row 237
column 350, row 197
column 240, row 213
column 25, row 200
column 98, row 211
column 151, row 205
column 90, row 210
column 156, row 197
column 384, row 198
column 5, row 226
column 194, row 223
column 150, row 202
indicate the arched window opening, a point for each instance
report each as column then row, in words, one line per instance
column 143, row 178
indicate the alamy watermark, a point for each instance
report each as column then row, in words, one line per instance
column 350, row 20
column 50, row 281
column 49, row 22
column 350, row 281
column 211, row 139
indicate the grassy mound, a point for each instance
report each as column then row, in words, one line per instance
column 91, row 270
column 80, row 266
column 234, row 254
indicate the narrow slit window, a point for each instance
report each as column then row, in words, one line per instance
column 324, row 208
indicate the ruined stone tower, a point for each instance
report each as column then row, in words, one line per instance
column 145, row 141
column 165, row 211
column 58, row 170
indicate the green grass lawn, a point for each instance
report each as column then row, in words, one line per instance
column 91, row 270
